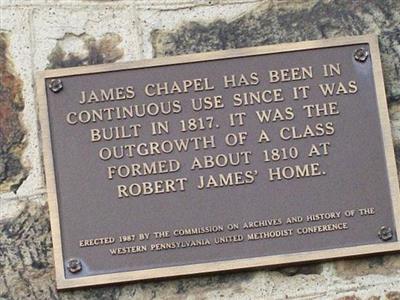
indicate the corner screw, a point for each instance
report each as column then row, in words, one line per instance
column 74, row 265
column 361, row 55
column 55, row 85
column 385, row 233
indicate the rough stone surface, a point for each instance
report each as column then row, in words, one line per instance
column 63, row 33
column 26, row 266
column 385, row 265
column 12, row 133
column 16, row 24
column 349, row 298
column 87, row 51
column 393, row 296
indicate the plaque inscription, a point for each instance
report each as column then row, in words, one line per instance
column 217, row 161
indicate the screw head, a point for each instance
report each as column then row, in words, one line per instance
column 385, row 233
column 74, row 265
column 55, row 85
column 361, row 55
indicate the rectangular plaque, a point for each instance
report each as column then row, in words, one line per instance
column 218, row 161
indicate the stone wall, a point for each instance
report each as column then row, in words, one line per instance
column 42, row 34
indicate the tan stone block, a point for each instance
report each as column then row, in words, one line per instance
column 393, row 295
column 85, row 34
column 12, row 132
column 379, row 264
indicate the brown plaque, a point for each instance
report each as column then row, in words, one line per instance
column 217, row 161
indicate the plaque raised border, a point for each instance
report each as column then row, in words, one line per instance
column 63, row 283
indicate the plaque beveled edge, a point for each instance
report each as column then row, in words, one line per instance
column 224, row 265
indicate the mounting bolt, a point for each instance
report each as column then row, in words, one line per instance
column 385, row 233
column 74, row 265
column 361, row 55
column 55, row 85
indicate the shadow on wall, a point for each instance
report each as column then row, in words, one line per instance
column 12, row 133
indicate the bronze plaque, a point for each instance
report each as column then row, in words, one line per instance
column 218, row 161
